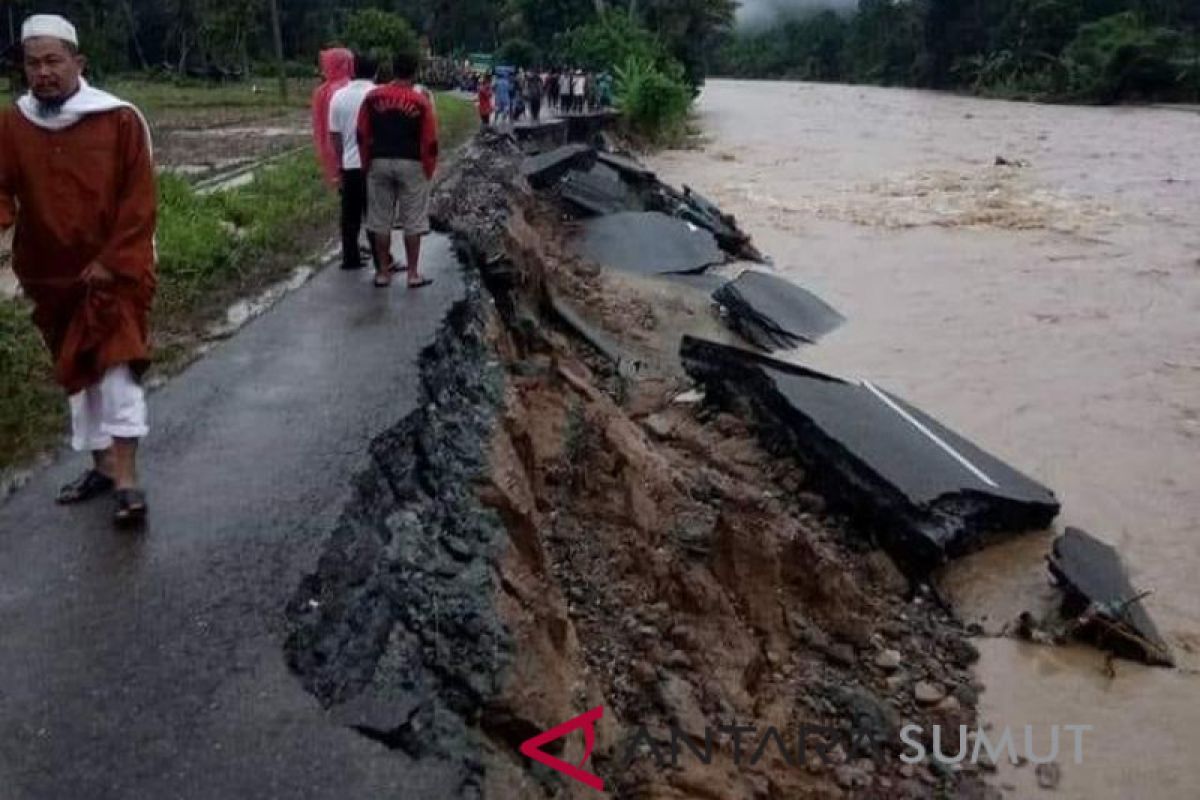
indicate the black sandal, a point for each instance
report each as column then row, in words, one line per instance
column 88, row 486
column 131, row 508
column 419, row 283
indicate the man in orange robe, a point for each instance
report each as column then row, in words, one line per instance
column 77, row 180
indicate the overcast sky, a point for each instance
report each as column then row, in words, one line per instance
column 758, row 12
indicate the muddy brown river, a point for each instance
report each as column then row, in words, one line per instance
column 1048, row 307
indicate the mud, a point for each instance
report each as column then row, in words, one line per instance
column 200, row 149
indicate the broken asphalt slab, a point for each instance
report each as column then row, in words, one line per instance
column 151, row 665
column 599, row 191
column 628, row 167
column 648, row 243
column 545, row 170
column 1101, row 599
column 933, row 494
column 774, row 313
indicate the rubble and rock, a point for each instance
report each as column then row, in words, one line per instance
column 1100, row 603
column 395, row 631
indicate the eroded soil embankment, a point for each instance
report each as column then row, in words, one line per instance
column 545, row 537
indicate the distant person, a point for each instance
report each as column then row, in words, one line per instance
column 551, row 88
column 564, row 91
column 533, row 95
column 343, row 133
column 605, row 89
column 77, row 179
column 337, row 65
column 578, row 91
column 518, row 96
column 398, row 137
column 591, row 97
column 487, row 102
column 503, row 87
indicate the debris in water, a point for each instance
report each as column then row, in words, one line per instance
column 648, row 243
column 931, row 493
column 1001, row 161
column 1048, row 775
column 775, row 314
column 1102, row 602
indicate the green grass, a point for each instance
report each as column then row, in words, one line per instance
column 32, row 408
column 212, row 250
column 458, row 120
column 222, row 240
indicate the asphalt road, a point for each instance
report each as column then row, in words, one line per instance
column 150, row 665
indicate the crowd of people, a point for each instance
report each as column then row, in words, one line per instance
column 507, row 96
column 378, row 145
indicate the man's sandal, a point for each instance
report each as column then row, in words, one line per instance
column 131, row 508
column 382, row 280
column 420, row 282
column 88, row 486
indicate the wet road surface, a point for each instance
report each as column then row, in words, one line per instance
column 150, row 665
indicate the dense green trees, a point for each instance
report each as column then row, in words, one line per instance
column 230, row 35
column 1096, row 50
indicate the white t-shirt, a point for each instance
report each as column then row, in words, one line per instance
column 580, row 85
column 343, row 119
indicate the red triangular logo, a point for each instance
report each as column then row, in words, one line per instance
column 533, row 748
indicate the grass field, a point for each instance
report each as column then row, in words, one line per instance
column 212, row 250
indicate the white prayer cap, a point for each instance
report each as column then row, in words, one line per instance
column 51, row 25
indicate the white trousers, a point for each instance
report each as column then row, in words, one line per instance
column 113, row 408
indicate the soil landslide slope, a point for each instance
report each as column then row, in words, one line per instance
column 660, row 563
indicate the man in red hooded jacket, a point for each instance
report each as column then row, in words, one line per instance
column 337, row 65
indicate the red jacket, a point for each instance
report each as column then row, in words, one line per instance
column 397, row 120
column 487, row 100
column 337, row 65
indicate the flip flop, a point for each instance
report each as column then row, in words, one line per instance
column 383, row 281
column 131, row 508
column 399, row 268
column 87, row 486
column 417, row 284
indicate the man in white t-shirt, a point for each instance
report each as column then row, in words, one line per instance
column 343, row 130
column 579, row 91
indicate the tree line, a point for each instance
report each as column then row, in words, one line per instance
column 1069, row 50
column 229, row 37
